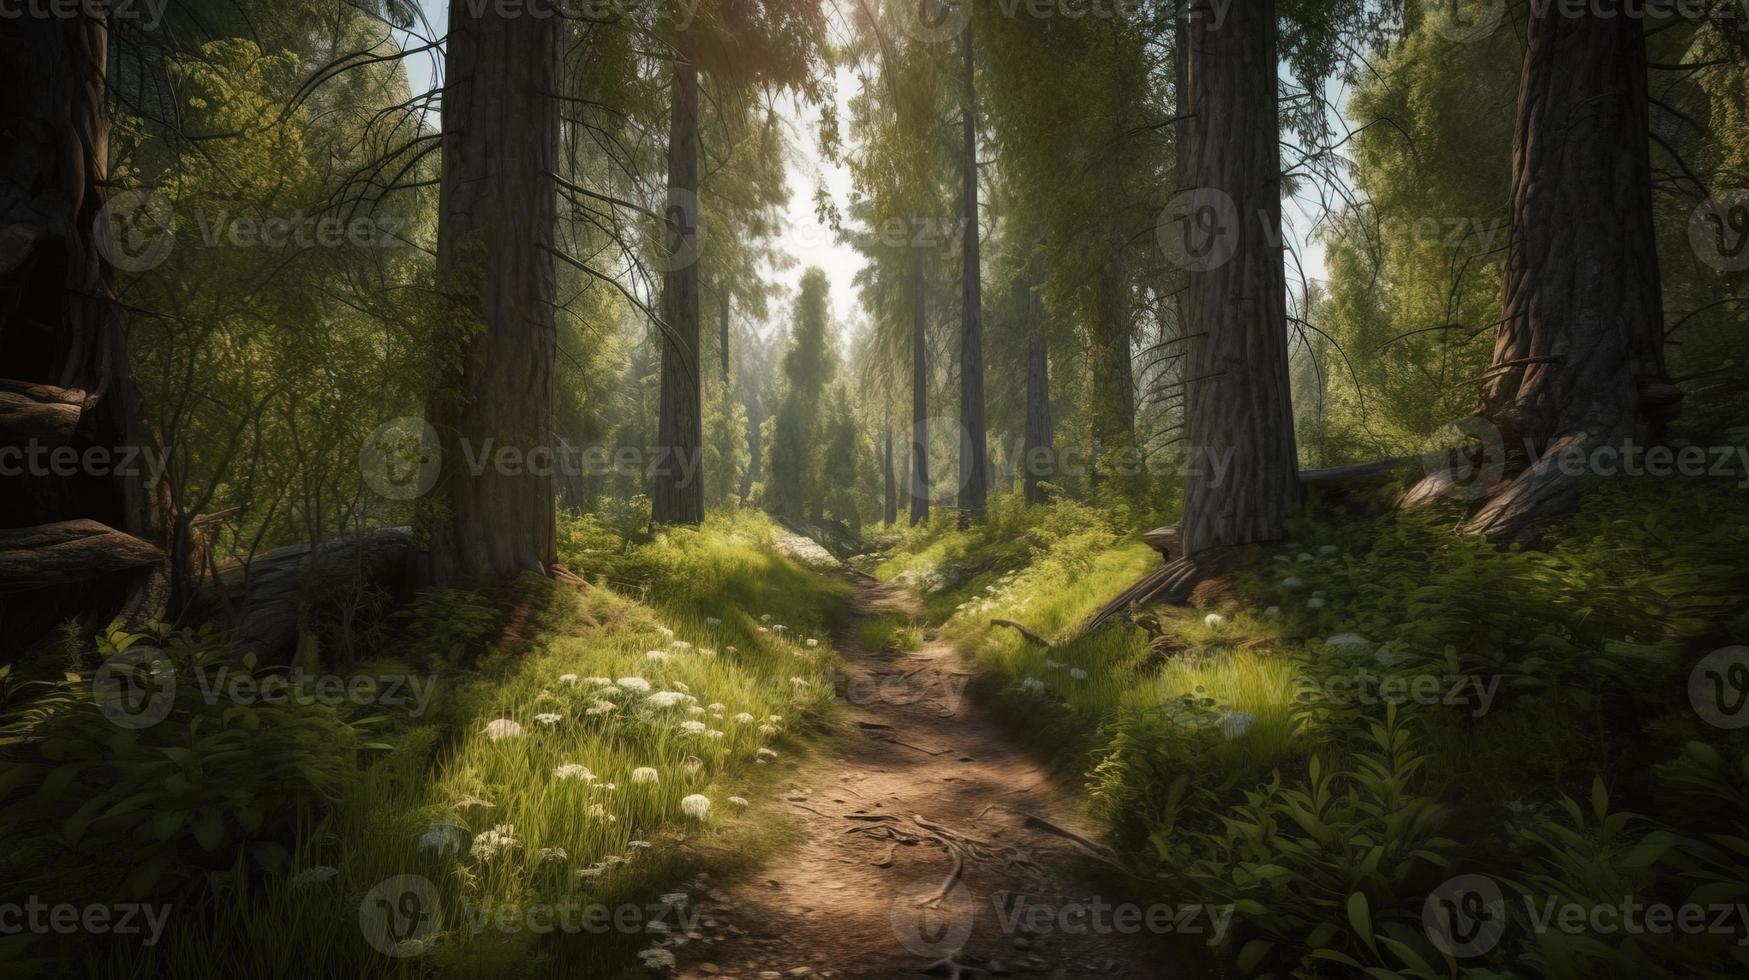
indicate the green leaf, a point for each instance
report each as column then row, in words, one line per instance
column 1360, row 918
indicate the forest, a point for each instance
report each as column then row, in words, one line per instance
column 874, row 488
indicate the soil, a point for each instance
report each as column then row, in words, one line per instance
column 926, row 783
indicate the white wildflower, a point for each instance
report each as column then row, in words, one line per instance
column 665, row 699
column 765, row 753
column 696, row 806
column 813, row 642
column 551, row 854
column 738, row 802
column 1291, row 582
column 644, row 774
column 744, row 718
column 572, row 770
column 567, row 678
column 501, row 728
column 634, row 683
column 548, row 718
column 1315, row 602
column 1033, row 685
column 490, row 843
column 1328, row 550
column 1076, row 673
column 1347, row 640
column 694, row 727
column 600, row 707
column 1214, row 620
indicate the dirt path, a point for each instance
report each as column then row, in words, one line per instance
column 925, row 784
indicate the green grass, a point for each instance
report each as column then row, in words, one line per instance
column 1235, row 763
column 889, row 631
column 508, row 830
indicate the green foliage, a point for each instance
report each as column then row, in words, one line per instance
column 1232, row 753
column 446, row 627
column 148, row 809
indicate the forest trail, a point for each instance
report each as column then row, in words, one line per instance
column 925, row 782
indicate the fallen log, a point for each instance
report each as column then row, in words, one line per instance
column 41, row 414
column 1172, row 584
column 1031, row 637
column 65, row 552
column 274, row 590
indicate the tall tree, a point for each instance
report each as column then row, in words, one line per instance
column 677, row 496
column 973, row 452
column 96, row 539
column 1579, row 359
column 1238, row 408
column 796, row 487
column 1038, row 435
column 919, row 482
column 495, row 254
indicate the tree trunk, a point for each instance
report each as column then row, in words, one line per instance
column 1038, row 387
column 890, row 498
column 495, row 250
column 68, row 381
column 675, row 498
column 919, row 482
column 723, row 337
column 1117, row 410
column 1242, row 480
column 974, row 472
column 1579, row 360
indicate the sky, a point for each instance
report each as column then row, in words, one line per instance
column 805, row 237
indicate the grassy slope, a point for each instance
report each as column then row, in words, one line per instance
column 759, row 687
column 1234, row 759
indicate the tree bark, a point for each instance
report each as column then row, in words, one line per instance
column 1239, row 412
column 723, row 336
column 1036, row 448
column 675, row 499
column 1579, row 359
column 919, row 482
column 68, row 379
column 890, row 497
column 974, row 451
column 495, row 251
